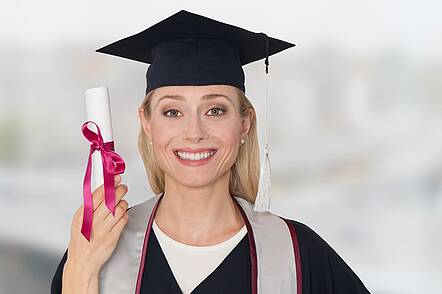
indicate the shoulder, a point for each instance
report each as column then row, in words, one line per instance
column 146, row 204
column 308, row 238
column 322, row 269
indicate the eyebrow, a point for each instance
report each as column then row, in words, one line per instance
column 203, row 98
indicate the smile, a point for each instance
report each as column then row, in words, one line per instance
column 195, row 158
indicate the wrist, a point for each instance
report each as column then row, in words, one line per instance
column 82, row 279
column 80, row 269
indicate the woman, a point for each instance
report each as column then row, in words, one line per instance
column 198, row 141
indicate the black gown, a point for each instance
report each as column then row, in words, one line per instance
column 323, row 270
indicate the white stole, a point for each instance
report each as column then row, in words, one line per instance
column 274, row 262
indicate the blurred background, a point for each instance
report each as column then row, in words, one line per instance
column 355, row 116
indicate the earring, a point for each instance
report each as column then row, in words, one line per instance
column 242, row 141
column 150, row 143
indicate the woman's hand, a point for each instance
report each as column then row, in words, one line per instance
column 85, row 258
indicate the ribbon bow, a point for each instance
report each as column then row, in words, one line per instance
column 113, row 164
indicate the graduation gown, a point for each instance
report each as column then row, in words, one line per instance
column 277, row 255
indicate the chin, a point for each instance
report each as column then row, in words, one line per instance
column 195, row 184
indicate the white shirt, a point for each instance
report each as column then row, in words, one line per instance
column 192, row 264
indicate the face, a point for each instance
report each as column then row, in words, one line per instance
column 195, row 131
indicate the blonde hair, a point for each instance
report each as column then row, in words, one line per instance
column 244, row 174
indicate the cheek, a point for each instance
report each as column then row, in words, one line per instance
column 161, row 136
column 162, row 132
column 229, row 137
column 227, row 133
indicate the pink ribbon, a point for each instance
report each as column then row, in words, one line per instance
column 113, row 164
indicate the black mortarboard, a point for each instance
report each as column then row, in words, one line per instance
column 191, row 49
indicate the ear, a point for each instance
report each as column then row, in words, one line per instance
column 247, row 122
column 144, row 122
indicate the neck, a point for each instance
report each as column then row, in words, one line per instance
column 200, row 216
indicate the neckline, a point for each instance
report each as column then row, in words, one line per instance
column 233, row 239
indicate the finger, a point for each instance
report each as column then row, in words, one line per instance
column 119, row 226
column 77, row 218
column 102, row 211
column 98, row 195
column 111, row 220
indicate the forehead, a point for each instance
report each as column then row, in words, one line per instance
column 196, row 92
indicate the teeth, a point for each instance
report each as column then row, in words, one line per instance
column 194, row 156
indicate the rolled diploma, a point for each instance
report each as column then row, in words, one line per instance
column 98, row 111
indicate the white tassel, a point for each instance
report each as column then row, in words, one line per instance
column 262, row 200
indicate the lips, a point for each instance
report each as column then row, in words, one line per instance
column 190, row 150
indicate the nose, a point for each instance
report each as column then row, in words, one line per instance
column 195, row 129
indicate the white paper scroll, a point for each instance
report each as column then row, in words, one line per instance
column 98, row 111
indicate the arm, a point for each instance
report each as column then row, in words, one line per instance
column 80, row 265
column 69, row 279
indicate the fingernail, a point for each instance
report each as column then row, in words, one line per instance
column 117, row 178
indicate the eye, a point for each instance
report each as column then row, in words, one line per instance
column 173, row 113
column 217, row 111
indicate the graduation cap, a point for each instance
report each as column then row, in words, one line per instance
column 191, row 49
